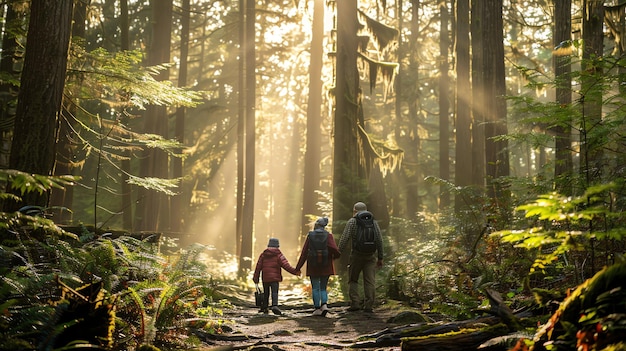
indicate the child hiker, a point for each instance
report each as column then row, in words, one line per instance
column 269, row 268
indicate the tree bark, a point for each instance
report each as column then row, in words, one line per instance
column 8, row 91
column 478, row 86
column 313, row 120
column 125, row 164
column 247, row 220
column 241, row 124
column 154, row 214
column 463, row 147
column 347, row 95
column 62, row 199
column 444, row 105
column 178, row 205
column 41, row 93
column 591, row 91
column 412, row 155
column 461, row 341
column 496, row 151
column 563, row 164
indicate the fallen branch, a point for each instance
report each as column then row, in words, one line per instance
column 467, row 339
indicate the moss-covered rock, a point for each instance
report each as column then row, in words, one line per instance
column 593, row 317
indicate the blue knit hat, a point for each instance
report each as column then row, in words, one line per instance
column 273, row 243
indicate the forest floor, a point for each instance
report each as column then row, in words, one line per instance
column 245, row 328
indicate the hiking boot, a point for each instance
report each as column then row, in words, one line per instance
column 324, row 310
column 264, row 310
column 317, row 312
column 276, row 310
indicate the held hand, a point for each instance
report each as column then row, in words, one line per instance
column 379, row 263
column 298, row 273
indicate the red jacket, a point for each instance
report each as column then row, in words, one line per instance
column 269, row 264
column 329, row 269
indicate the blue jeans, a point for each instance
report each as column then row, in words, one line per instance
column 318, row 288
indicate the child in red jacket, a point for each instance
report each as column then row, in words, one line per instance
column 269, row 267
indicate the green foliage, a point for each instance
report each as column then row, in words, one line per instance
column 39, row 225
column 104, row 279
column 105, row 91
column 26, row 183
column 424, row 271
column 120, row 77
column 165, row 186
column 536, row 119
column 562, row 224
column 155, row 301
column 162, row 310
column 443, row 263
column 592, row 317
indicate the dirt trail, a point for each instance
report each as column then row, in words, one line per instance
column 298, row 329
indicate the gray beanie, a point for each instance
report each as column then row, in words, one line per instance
column 360, row 206
column 273, row 243
column 321, row 222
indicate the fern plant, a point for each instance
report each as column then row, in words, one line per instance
column 166, row 307
column 561, row 227
column 70, row 291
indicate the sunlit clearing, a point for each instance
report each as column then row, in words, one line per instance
column 221, row 265
column 216, row 227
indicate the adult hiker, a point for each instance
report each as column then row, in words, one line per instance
column 269, row 268
column 366, row 254
column 318, row 252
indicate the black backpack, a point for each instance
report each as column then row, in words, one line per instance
column 365, row 240
column 318, row 248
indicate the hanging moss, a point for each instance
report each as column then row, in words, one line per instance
column 387, row 70
column 384, row 35
column 387, row 158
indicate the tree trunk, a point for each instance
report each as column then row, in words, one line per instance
column 345, row 153
column 463, row 147
column 155, row 210
column 245, row 263
column 62, row 199
column 563, row 164
column 412, row 155
column 468, row 340
column 496, row 153
column 8, row 91
column 591, row 90
column 398, row 178
column 41, row 93
column 241, row 124
column 178, row 205
column 444, row 105
column 127, row 198
column 313, row 121
column 478, row 86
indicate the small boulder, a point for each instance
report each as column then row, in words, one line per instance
column 408, row 317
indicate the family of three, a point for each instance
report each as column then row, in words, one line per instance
column 319, row 251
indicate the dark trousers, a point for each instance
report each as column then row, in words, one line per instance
column 365, row 263
column 273, row 287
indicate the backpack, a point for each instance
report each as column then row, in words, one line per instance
column 318, row 248
column 365, row 240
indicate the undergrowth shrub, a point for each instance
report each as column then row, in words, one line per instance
column 443, row 262
column 60, row 290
